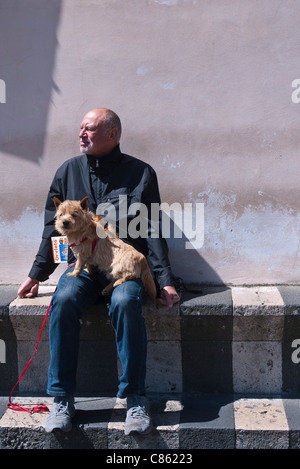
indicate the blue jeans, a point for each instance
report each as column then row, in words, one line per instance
column 72, row 296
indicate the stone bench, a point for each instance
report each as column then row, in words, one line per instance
column 219, row 340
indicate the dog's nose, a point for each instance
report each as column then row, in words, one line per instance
column 65, row 224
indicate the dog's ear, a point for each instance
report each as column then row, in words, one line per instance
column 84, row 203
column 57, row 202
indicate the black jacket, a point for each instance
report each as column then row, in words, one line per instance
column 117, row 174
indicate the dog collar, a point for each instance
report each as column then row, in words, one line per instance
column 82, row 241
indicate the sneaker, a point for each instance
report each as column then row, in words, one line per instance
column 138, row 418
column 62, row 411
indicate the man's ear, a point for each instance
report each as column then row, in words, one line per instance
column 57, row 202
column 112, row 133
column 85, row 203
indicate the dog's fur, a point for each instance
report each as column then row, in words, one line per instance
column 117, row 259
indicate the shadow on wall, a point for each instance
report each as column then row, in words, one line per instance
column 188, row 264
column 28, row 36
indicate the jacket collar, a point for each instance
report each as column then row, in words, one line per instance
column 106, row 162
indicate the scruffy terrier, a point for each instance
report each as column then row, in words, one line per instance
column 117, row 259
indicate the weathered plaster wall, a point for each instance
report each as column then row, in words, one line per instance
column 204, row 91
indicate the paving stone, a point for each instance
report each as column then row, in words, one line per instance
column 260, row 424
column 290, row 368
column 211, row 300
column 257, row 300
column 207, row 366
column 164, row 367
column 290, row 295
column 7, row 294
column 292, row 411
column 207, row 422
column 257, row 367
column 258, row 328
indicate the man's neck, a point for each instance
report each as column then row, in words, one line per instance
column 104, row 154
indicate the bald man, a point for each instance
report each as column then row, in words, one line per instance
column 103, row 173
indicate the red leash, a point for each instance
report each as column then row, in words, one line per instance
column 39, row 407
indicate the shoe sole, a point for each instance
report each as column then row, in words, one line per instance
column 136, row 432
column 58, row 429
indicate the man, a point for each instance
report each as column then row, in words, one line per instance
column 102, row 173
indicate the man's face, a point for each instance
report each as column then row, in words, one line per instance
column 93, row 140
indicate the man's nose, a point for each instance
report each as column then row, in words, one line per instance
column 82, row 132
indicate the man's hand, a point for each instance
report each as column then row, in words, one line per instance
column 29, row 288
column 169, row 296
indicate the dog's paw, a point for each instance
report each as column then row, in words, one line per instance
column 73, row 274
column 90, row 269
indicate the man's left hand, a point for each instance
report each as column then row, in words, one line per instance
column 169, row 296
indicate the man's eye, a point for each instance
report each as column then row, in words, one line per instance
column 88, row 129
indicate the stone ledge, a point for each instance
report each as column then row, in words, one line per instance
column 256, row 313
column 222, row 339
column 162, row 322
column 209, row 299
column 199, row 421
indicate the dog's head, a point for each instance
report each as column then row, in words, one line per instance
column 71, row 215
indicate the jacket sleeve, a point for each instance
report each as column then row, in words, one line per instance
column 157, row 246
column 43, row 265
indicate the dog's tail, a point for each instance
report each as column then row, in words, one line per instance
column 147, row 279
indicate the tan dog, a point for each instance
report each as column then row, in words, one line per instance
column 117, row 259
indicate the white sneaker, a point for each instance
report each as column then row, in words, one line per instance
column 61, row 414
column 138, row 418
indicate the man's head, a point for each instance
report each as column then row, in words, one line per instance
column 100, row 132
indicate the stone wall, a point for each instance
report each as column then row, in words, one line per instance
column 208, row 94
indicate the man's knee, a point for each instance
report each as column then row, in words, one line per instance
column 63, row 297
column 127, row 295
column 67, row 300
